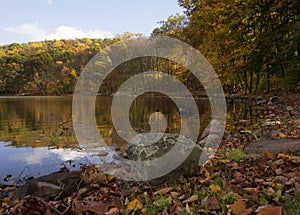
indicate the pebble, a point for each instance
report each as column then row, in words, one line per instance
column 289, row 108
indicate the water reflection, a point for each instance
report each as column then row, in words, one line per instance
column 24, row 162
column 37, row 131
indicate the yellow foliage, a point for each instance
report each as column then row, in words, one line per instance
column 73, row 73
column 215, row 188
column 284, row 156
column 134, row 204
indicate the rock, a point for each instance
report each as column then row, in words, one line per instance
column 262, row 102
column 103, row 153
column 271, row 122
column 274, row 100
column 54, row 186
column 272, row 134
column 140, row 148
column 273, row 146
column 289, row 108
column 144, row 147
column 260, row 98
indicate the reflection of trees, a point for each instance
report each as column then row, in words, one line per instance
column 35, row 121
column 241, row 113
column 32, row 118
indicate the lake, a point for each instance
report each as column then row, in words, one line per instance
column 37, row 137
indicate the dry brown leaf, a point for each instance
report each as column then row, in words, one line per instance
column 165, row 211
column 163, row 191
column 112, row 211
column 296, row 159
column 173, row 208
column 82, row 191
column 181, row 197
column 187, row 208
column 271, row 211
column 178, row 210
column 248, row 211
column 97, row 207
column 281, row 135
column 238, row 207
column 133, row 204
column 174, row 195
column 205, row 172
column 268, row 154
column 210, row 203
column 191, row 199
column 225, row 161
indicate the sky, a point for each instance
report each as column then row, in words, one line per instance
column 23, row 21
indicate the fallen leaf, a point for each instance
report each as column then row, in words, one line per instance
column 174, row 195
column 251, row 190
column 268, row 154
column 191, row 199
column 248, row 211
column 94, row 206
column 173, row 208
column 284, row 156
column 82, row 191
column 110, row 178
column 163, row 191
column 112, row 211
column 210, row 203
column 161, row 202
column 133, row 204
column 270, row 192
column 296, row 159
column 238, row 207
column 165, row 211
column 205, row 172
column 225, row 161
column 215, row 188
column 187, row 209
column 181, row 197
column 279, row 171
column 178, row 210
column 271, row 211
column 281, row 135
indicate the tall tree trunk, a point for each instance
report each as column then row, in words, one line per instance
column 245, row 83
column 256, row 82
column 282, row 72
column 268, row 79
column 250, row 86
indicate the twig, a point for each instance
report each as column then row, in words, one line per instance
column 18, row 179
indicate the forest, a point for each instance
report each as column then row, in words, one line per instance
column 253, row 45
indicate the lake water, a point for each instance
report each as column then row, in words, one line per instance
column 37, row 138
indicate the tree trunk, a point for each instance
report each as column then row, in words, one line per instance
column 268, row 79
column 245, row 83
column 256, row 83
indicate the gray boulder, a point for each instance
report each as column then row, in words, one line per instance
column 50, row 187
column 167, row 157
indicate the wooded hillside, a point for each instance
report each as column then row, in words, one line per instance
column 253, row 45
